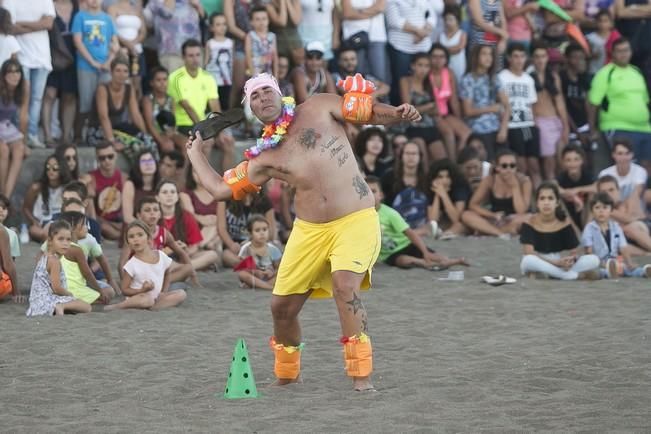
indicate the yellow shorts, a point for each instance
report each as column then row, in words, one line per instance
column 316, row 250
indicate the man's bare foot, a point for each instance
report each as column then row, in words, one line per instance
column 285, row 382
column 363, row 384
column 58, row 310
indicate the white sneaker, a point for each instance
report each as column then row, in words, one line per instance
column 34, row 143
column 436, row 230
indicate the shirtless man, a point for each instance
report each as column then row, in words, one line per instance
column 336, row 236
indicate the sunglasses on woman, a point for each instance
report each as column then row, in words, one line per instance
column 508, row 165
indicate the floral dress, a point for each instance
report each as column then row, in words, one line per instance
column 42, row 298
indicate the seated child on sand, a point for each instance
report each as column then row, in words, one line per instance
column 266, row 256
column 146, row 280
column 548, row 236
column 48, row 294
column 604, row 237
column 148, row 211
column 81, row 281
column 402, row 246
column 91, row 246
column 5, row 209
column 8, row 276
column 628, row 213
column 183, row 226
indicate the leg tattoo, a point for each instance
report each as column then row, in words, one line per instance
column 356, row 304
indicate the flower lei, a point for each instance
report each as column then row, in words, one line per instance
column 274, row 133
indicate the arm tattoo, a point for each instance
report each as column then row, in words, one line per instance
column 308, row 138
column 360, row 186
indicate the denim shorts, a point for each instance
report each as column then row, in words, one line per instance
column 8, row 132
column 87, row 82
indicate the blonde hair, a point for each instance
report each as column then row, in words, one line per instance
column 137, row 224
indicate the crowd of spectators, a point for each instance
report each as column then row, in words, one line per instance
column 516, row 107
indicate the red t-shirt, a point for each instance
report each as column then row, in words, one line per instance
column 192, row 232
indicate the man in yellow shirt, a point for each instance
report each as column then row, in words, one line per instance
column 193, row 91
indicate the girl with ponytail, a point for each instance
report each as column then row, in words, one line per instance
column 549, row 241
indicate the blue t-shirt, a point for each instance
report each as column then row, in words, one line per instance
column 411, row 204
column 483, row 93
column 97, row 31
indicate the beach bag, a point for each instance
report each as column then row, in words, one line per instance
column 358, row 41
column 134, row 143
column 62, row 58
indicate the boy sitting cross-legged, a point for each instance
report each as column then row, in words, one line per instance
column 401, row 246
column 605, row 238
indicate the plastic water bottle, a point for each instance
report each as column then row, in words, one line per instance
column 24, row 234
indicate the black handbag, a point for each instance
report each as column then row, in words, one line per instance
column 358, row 41
column 62, row 58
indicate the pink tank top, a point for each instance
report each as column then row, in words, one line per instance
column 442, row 95
column 201, row 208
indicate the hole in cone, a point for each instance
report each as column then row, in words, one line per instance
column 244, row 359
column 247, row 391
column 246, row 375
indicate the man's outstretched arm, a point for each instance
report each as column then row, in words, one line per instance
column 385, row 114
column 382, row 114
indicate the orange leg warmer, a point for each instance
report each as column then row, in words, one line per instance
column 358, row 355
column 6, row 286
column 287, row 365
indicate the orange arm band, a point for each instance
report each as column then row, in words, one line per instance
column 358, row 101
column 237, row 180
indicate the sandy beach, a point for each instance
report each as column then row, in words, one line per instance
column 539, row 355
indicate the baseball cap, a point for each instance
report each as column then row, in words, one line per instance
column 315, row 47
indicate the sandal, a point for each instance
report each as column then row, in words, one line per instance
column 498, row 280
column 217, row 122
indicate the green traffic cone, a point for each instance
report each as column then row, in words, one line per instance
column 241, row 383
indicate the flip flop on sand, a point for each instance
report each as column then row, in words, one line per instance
column 438, row 267
column 498, row 280
column 217, row 122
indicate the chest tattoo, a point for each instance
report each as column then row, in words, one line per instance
column 308, row 138
column 327, row 145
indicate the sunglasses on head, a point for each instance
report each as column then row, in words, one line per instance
column 508, row 165
column 105, row 157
